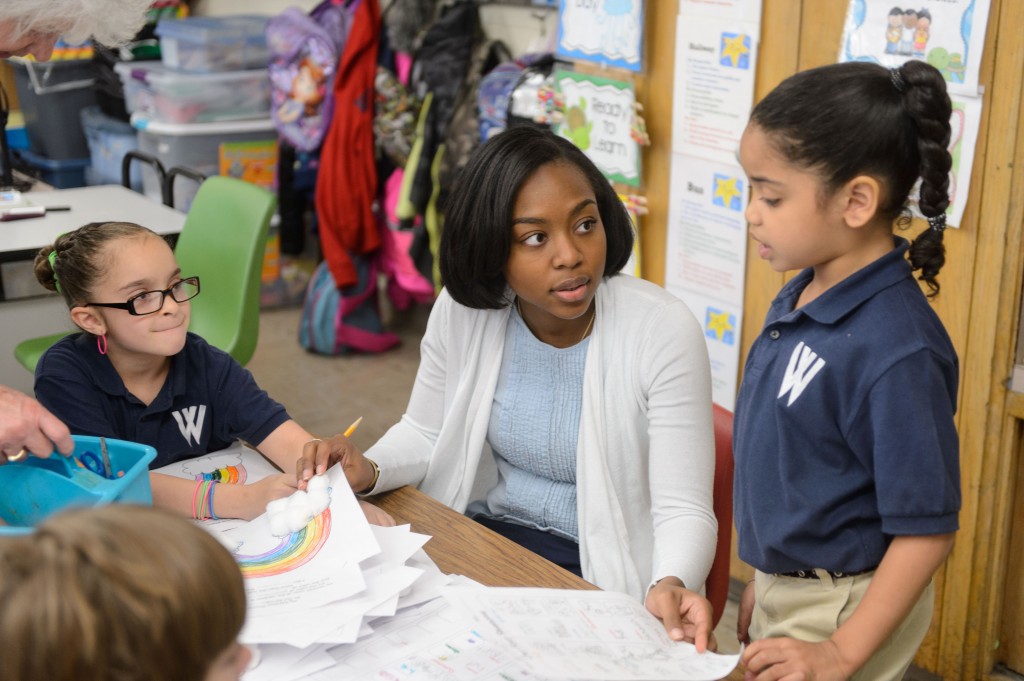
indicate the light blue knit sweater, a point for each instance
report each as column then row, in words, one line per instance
column 533, row 432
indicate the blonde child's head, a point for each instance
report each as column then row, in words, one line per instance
column 119, row 593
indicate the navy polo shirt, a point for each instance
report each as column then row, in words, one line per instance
column 207, row 402
column 844, row 434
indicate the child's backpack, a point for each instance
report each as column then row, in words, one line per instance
column 394, row 117
column 340, row 321
column 304, row 52
column 507, row 87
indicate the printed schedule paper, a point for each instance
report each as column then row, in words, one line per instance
column 599, row 635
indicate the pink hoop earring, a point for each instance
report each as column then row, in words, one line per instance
column 101, row 344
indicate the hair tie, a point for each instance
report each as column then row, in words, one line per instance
column 52, row 258
column 897, row 80
column 937, row 223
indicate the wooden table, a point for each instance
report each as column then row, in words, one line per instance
column 463, row 546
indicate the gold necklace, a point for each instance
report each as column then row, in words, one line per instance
column 519, row 308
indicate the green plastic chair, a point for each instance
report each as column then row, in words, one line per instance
column 222, row 242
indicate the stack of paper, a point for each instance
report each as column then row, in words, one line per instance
column 341, row 599
column 325, row 585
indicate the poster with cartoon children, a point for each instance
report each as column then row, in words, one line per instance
column 949, row 34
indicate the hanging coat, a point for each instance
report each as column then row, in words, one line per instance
column 346, row 186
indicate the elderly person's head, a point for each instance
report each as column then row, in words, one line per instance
column 31, row 27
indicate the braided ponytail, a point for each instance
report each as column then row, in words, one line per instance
column 928, row 105
column 854, row 118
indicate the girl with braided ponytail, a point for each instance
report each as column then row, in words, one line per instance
column 847, row 485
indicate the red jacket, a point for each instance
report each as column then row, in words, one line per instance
column 346, row 185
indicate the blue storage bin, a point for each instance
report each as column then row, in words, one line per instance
column 35, row 488
column 62, row 174
column 109, row 140
column 210, row 44
column 17, row 137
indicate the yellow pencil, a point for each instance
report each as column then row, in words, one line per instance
column 351, row 429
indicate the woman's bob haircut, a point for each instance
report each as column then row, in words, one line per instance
column 477, row 234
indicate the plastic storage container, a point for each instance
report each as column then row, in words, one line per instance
column 35, row 488
column 51, row 95
column 196, row 146
column 109, row 139
column 213, row 44
column 60, row 173
column 166, row 96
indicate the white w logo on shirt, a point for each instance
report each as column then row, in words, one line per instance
column 804, row 364
column 188, row 425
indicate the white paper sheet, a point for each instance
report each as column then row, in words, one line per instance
column 598, row 635
column 434, row 642
column 285, row 663
column 715, row 64
column 705, row 259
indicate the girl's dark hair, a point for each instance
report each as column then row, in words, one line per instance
column 77, row 263
column 477, row 235
column 858, row 118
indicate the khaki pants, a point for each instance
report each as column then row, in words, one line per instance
column 811, row 609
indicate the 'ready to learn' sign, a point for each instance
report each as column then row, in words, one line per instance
column 599, row 118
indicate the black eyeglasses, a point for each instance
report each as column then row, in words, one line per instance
column 149, row 302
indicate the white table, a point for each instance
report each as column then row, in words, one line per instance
column 20, row 240
column 88, row 204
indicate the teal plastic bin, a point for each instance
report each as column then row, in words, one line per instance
column 34, row 488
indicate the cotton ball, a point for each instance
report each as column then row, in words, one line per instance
column 277, row 505
column 318, row 502
column 318, row 483
column 299, row 511
column 297, row 518
column 279, row 525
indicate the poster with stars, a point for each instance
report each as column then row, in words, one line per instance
column 716, row 60
column 706, row 258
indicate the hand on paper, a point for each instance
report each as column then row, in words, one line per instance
column 375, row 515
column 745, row 612
column 787, row 658
column 686, row 614
column 319, row 455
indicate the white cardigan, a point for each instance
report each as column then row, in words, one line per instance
column 645, row 455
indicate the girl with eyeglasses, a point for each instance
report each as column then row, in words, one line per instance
column 135, row 372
